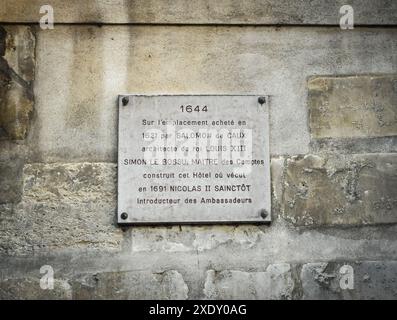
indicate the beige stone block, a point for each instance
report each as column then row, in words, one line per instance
column 63, row 206
column 356, row 106
column 341, row 190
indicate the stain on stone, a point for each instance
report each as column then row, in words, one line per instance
column 16, row 94
column 3, row 35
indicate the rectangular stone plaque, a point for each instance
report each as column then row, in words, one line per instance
column 193, row 159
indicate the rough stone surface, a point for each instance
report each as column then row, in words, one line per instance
column 320, row 280
column 29, row 289
column 70, row 183
column 11, row 166
column 355, row 145
column 371, row 280
column 63, row 207
column 202, row 11
column 274, row 283
column 200, row 239
column 341, row 190
column 10, row 183
column 76, row 105
column 16, row 74
column 359, row 106
column 36, row 227
column 247, row 247
column 132, row 285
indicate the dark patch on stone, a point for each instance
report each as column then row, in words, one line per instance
column 3, row 35
column 16, row 98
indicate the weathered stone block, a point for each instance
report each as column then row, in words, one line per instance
column 347, row 280
column 45, row 227
column 64, row 206
column 354, row 106
column 29, row 289
column 196, row 239
column 131, row 285
column 70, row 182
column 274, row 283
column 17, row 63
column 341, row 190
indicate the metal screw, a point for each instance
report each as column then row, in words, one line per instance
column 124, row 215
column 262, row 100
column 125, row 101
column 264, row 214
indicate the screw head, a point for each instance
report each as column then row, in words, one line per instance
column 125, row 101
column 262, row 100
column 264, row 214
column 124, row 215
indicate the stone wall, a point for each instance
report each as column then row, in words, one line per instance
column 333, row 110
